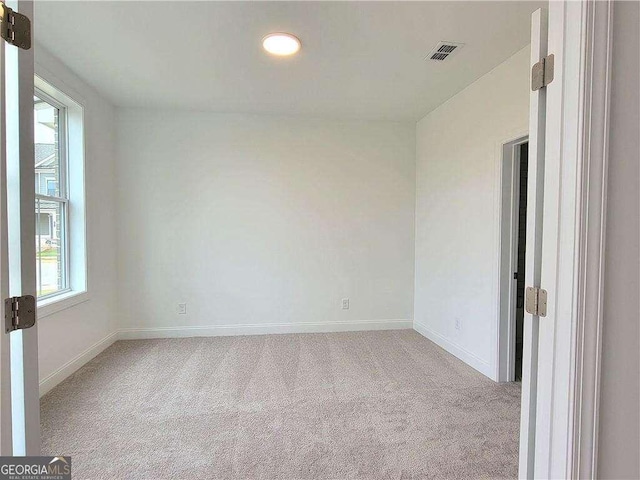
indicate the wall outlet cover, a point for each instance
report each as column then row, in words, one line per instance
column 345, row 304
column 182, row 309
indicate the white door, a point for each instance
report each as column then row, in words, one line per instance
column 535, row 195
column 19, row 398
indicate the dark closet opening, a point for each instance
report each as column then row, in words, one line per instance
column 522, row 242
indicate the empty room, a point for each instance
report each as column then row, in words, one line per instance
column 315, row 240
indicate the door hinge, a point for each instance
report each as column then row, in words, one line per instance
column 542, row 73
column 19, row 313
column 536, row 301
column 15, row 28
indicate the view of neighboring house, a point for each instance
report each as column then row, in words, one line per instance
column 46, row 183
column 46, row 168
column 48, row 214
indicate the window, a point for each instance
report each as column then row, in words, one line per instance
column 51, row 198
column 43, row 225
column 52, row 187
column 59, row 189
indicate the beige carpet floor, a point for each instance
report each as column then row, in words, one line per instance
column 370, row 405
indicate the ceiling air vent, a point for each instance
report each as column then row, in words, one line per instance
column 444, row 50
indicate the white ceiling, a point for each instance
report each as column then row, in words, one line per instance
column 358, row 60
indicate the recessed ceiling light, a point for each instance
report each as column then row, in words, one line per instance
column 281, row 44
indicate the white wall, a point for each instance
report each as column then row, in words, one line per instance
column 263, row 223
column 619, row 435
column 70, row 337
column 457, row 210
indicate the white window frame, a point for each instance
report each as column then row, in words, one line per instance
column 72, row 192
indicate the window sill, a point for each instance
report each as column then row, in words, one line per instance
column 61, row 302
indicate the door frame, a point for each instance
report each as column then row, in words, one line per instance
column 577, row 132
column 19, row 370
column 5, row 364
column 509, row 223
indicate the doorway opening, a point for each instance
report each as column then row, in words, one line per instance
column 523, row 165
column 513, row 235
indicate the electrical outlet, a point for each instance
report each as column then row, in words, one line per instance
column 458, row 324
column 182, row 309
column 345, row 304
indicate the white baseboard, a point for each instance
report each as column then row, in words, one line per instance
column 261, row 329
column 75, row 363
column 213, row 331
column 466, row 356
